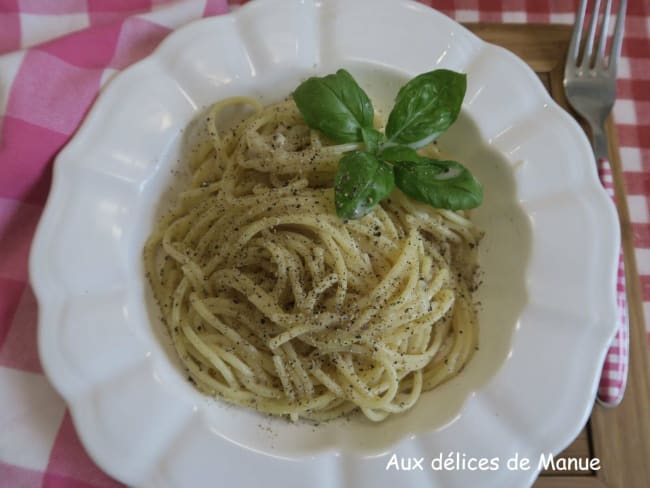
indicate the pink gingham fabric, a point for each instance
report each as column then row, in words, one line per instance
column 614, row 375
column 54, row 58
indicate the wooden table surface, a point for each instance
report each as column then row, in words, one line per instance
column 619, row 437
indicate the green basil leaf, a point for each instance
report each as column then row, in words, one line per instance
column 426, row 106
column 396, row 154
column 335, row 105
column 441, row 184
column 361, row 182
column 372, row 138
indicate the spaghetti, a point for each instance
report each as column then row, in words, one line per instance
column 274, row 303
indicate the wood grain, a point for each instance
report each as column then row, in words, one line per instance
column 619, row 437
column 579, row 448
column 622, row 435
column 569, row 482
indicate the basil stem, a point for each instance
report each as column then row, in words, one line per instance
column 372, row 138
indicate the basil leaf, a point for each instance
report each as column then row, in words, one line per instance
column 441, row 184
column 372, row 138
column 335, row 105
column 361, row 182
column 396, row 154
column 426, row 106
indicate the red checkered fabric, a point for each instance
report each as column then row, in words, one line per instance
column 614, row 376
column 55, row 56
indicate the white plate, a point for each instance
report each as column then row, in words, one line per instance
column 549, row 260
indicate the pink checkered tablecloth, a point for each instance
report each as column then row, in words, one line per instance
column 54, row 58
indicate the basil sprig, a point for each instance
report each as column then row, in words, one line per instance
column 424, row 108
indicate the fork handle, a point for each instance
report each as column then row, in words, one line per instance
column 614, row 374
column 599, row 143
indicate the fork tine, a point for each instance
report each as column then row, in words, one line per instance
column 617, row 41
column 591, row 34
column 574, row 46
column 602, row 40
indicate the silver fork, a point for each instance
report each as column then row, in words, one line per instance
column 590, row 88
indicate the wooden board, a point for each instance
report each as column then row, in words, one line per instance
column 619, row 437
